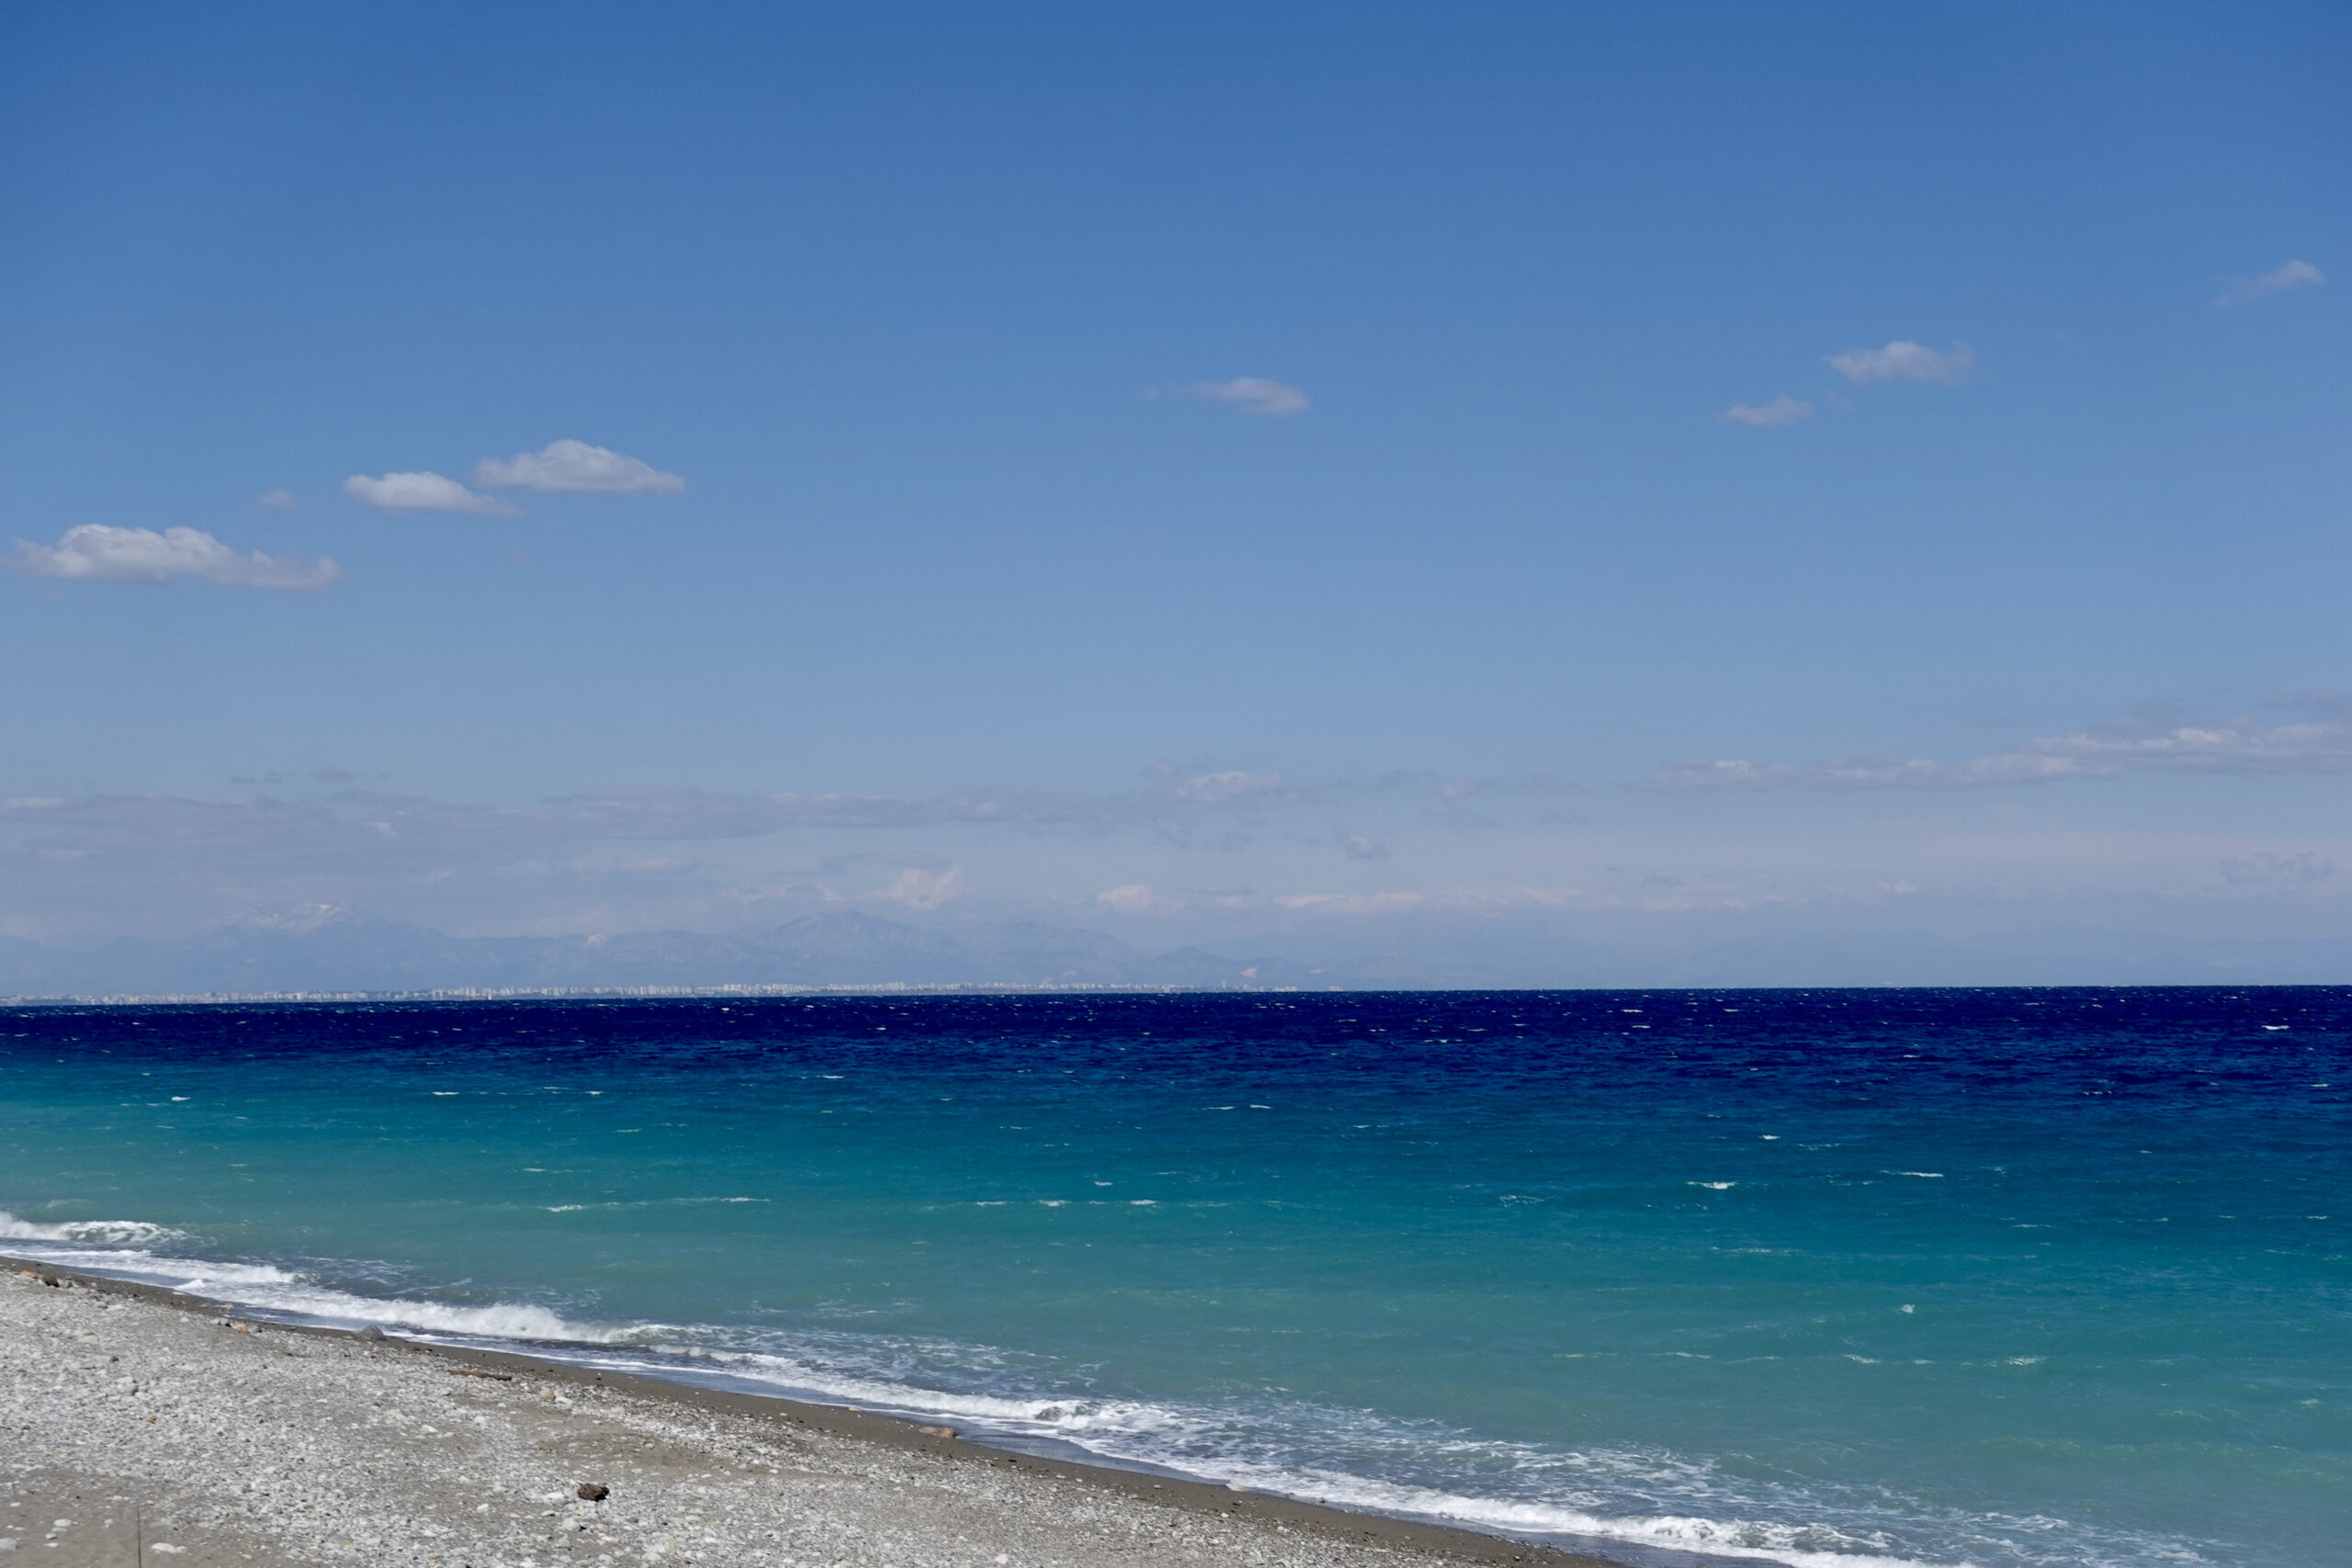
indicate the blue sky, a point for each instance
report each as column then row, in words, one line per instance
column 1671, row 470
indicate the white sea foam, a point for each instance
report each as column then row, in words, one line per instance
column 1226, row 1446
column 1801, row 1545
column 100, row 1231
column 266, row 1288
column 1351, row 1459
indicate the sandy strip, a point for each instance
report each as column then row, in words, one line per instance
column 168, row 1436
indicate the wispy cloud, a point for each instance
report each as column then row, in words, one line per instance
column 578, row 466
column 1132, row 898
column 280, row 499
column 1905, row 361
column 2293, row 275
column 2146, row 743
column 422, row 492
column 921, row 890
column 1782, row 410
column 2301, row 869
column 1859, row 773
column 1222, row 788
column 1251, row 395
column 96, row 553
column 691, row 814
column 102, row 863
column 1407, row 901
column 1352, row 903
column 635, row 859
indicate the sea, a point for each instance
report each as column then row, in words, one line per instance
column 1832, row 1279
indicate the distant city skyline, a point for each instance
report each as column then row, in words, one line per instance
column 1328, row 481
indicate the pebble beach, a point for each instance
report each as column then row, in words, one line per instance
column 144, row 1431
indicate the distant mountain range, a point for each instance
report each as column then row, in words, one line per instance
column 341, row 952
column 336, row 951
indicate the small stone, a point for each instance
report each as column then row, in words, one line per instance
column 936, row 1431
column 372, row 1335
column 591, row 1492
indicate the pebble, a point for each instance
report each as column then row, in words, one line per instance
column 347, row 1450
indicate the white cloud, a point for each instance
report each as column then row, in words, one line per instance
column 2303, row 868
column 1861, row 773
column 1252, row 394
column 421, row 493
column 96, row 553
column 2143, row 744
column 921, row 890
column 1131, row 899
column 1352, row 903
column 2294, row 274
column 280, row 499
column 1220, row 789
column 577, row 466
column 1782, row 410
column 1903, row 361
column 1454, row 900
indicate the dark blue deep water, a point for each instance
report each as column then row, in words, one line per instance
column 2004, row 1277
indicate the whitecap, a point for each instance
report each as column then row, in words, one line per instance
column 116, row 1233
column 1648, row 1500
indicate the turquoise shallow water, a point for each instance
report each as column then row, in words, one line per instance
column 2000, row 1278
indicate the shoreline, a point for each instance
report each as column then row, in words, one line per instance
column 1260, row 1514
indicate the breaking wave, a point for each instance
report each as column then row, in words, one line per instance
column 1645, row 1507
column 116, row 1233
